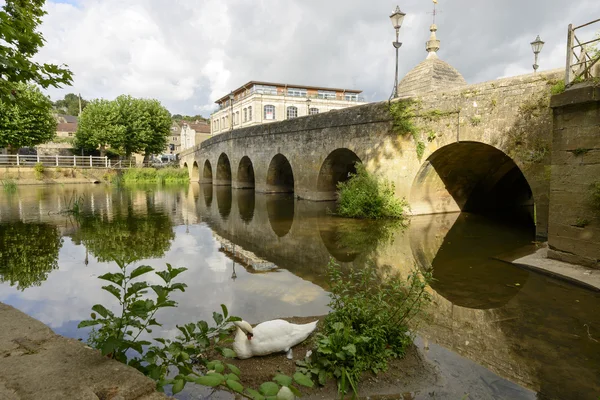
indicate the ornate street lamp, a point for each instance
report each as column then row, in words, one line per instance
column 536, row 45
column 231, row 111
column 397, row 17
column 308, row 106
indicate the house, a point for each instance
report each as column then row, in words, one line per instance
column 174, row 143
column 66, row 125
column 262, row 102
column 193, row 133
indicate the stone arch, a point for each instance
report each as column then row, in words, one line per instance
column 224, row 200
column 280, row 210
column 207, row 172
column 245, row 174
column 280, row 177
column 336, row 168
column 207, row 192
column 246, row 200
column 195, row 175
column 469, row 176
column 223, row 177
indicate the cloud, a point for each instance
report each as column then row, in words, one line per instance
column 189, row 53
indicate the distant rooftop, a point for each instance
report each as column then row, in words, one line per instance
column 285, row 85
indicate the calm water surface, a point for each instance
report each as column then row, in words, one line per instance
column 494, row 330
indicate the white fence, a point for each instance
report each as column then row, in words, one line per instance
column 10, row 160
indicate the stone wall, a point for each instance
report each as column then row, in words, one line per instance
column 574, row 234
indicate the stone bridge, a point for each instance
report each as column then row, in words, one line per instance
column 475, row 147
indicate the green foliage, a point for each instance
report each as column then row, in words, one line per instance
column 368, row 324
column 558, row 87
column 170, row 362
column 595, row 195
column 9, row 185
column 39, row 171
column 493, row 103
column 27, row 120
column 127, row 125
column 365, row 195
column 402, row 113
column 188, row 118
column 28, row 253
column 475, row 120
column 579, row 151
column 581, row 222
column 20, row 40
column 153, row 175
column 420, row 149
column 70, row 104
column 431, row 136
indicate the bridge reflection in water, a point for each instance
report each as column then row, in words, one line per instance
column 526, row 327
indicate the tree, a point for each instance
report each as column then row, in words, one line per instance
column 70, row 104
column 27, row 120
column 128, row 125
column 19, row 42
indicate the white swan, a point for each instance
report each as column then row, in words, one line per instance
column 269, row 337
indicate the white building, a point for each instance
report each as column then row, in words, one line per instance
column 262, row 102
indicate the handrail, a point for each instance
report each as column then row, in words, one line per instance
column 30, row 160
column 582, row 68
column 359, row 99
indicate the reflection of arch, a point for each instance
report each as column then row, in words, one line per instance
column 224, row 197
column 280, row 177
column 280, row 209
column 207, row 172
column 223, row 170
column 336, row 168
column 246, row 201
column 469, row 176
column 460, row 251
column 207, row 191
column 185, row 166
column 245, row 175
column 195, row 172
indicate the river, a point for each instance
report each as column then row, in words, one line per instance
column 496, row 331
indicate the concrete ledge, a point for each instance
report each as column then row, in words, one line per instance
column 36, row 363
column 578, row 94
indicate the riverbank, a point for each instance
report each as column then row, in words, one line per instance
column 54, row 175
column 36, row 363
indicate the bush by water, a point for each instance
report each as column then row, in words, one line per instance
column 153, row 175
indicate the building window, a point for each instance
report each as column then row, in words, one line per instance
column 296, row 92
column 237, row 117
column 245, row 114
column 313, row 111
column 250, row 113
column 351, row 97
column 70, row 133
column 264, row 89
column 292, row 112
column 326, row 94
column 269, row 112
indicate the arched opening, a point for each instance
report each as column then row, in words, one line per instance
column 280, row 177
column 195, row 177
column 223, row 171
column 280, row 209
column 207, row 173
column 224, row 197
column 473, row 177
column 245, row 175
column 336, row 168
column 207, row 192
column 246, row 200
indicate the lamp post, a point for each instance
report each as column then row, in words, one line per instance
column 308, row 106
column 536, row 45
column 231, row 111
column 397, row 17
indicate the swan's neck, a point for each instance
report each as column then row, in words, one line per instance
column 241, row 344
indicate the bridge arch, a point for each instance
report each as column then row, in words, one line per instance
column 207, row 192
column 223, row 171
column 245, row 174
column 195, row 175
column 469, row 176
column 280, row 210
column 224, row 200
column 336, row 168
column 246, row 200
column 280, row 177
column 207, row 175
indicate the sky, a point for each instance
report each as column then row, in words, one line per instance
column 188, row 53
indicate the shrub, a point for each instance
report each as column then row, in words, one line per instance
column 153, row 175
column 558, row 87
column 9, row 185
column 39, row 171
column 366, row 196
column 368, row 324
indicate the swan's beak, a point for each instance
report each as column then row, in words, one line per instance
column 249, row 336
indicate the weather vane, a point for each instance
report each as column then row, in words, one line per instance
column 434, row 13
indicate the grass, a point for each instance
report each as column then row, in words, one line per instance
column 39, row 171
column 9, row 185
column 153, row 175
column 558, row 87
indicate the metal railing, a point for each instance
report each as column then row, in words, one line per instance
column 306, row 96
column 582, row 67
column 11, row 160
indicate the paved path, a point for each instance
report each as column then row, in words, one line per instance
column 36, row 363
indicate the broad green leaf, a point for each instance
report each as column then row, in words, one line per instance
column 351, row 348
column 164, row 275
column 234, row 385
column 303, row 380
column 283, row 380
column 234, row 369
column 178, row 385
column 218, row 318
column 232, row 376
column 115, row 291
column 135, row 288
column 176, row 271
column 254, row 394
column 203, row 325
column 228, row 353
column 212, row 380
column 269, row 389
column 224, row 308
column 86, row 323
column 179, row 286
column 141, row 270
column 295, row 391
column 100, row 309
column 115, row 277
column 110, row 345
column 219, row 367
